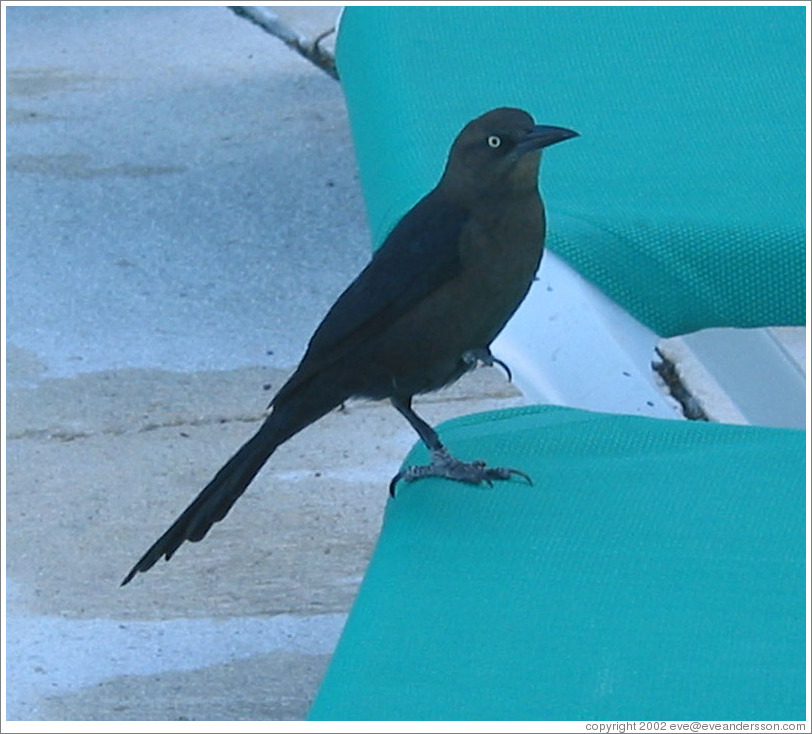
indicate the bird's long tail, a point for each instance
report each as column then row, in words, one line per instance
column 228, row 485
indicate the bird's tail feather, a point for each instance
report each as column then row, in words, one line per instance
column 228, row 485
column 213, row 502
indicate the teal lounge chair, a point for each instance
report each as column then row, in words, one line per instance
column 656, row 569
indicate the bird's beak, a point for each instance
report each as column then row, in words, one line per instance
column 542, row 136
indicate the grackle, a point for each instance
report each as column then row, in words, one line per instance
column 422, row 313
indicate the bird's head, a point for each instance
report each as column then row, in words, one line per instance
column 498, row 151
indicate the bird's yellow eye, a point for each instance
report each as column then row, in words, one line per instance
column 494, row 141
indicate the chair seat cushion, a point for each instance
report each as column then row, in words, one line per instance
column 655, row 570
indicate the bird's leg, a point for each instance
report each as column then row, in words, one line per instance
column 483, row 354
column 443, row 464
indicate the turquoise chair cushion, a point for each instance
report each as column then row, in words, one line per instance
column 655, row 570
column 684, row 199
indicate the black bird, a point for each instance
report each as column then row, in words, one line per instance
column 422, row 313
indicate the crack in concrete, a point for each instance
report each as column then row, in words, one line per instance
column 65, row 435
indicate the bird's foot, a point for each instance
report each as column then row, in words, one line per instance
column 473, row 356
column 445, row 465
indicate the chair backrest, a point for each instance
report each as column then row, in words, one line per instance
column 684, row 199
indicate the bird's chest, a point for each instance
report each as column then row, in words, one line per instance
column 498, row 261
column 499, row 257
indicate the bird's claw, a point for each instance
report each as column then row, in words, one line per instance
column 446, row 466
column 472, row 356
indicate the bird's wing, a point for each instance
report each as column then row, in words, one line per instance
column 419, row 255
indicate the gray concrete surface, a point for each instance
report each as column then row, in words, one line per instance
column 182, row 208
